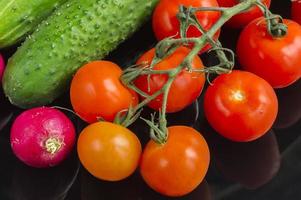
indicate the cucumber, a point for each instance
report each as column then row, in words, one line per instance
column 76, row 33
column 19, row 18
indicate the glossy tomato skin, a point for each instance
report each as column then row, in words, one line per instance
column 296, row 11
column 166, row 24
column 240, row 106
column 244, row 18
column 109, row 151
column 96, row 92
column 277, row 60
column 177, row 167
column 188, row 83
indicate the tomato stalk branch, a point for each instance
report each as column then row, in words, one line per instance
column 187, row 18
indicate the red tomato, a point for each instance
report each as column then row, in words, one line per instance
column 242, row 19
column 166, row 24
column 240, row 106
column 188, row 83
column 96, row 92
column 178, row 166
column 277, row 60
column 109, row 151
column 296, row 11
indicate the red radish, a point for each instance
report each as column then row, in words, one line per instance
column 2, row 64
column 42, row 137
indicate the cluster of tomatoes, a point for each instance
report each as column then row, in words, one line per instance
column 241, row 105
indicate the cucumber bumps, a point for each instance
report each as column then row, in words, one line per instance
column 19, row 18
column 76, row 33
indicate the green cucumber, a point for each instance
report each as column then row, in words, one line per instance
column 19, row 18
column 76, row 33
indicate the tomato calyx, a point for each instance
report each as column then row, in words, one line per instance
column 158, row 131
column 275, row 26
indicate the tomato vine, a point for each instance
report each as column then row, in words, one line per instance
column 166, row 47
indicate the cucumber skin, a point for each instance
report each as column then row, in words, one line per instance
column 76, row 33
column 18, row 18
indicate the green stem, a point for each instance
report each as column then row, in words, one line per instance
column 163, row 121
column 226, row 15
column 220, row 9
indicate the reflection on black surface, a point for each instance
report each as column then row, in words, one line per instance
column 202, row 192
column 251, row 164
column 5, row 117
column 95, row 189
column 6, row 110
column 289, row 105
column 8, row 160
column 44, row 184
column 133, row 188
column 285, row 186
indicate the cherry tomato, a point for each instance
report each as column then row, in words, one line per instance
column 188, row 83
column 240, row 106
column 277, row 60
column 178, row 166
column 96, row 92
column 296, row 11
column 166, row 24
column 109, row 151
column 244, row 18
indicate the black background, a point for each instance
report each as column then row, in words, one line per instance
column 268, row 168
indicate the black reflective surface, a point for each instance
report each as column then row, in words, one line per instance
column 268, row 168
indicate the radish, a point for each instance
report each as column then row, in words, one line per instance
column 42, row 137
column 2, row 64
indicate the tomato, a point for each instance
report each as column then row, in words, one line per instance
column 244, row 18
column 96, row 92
column 109, row 151
column 277, row 60
column 178, row 166
column 188, row 83
column 296, row 11
column 166, row 24
column 240, row 106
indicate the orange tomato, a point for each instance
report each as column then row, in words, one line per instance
column 178, row 166
column 109, row 151
column 96, row 92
